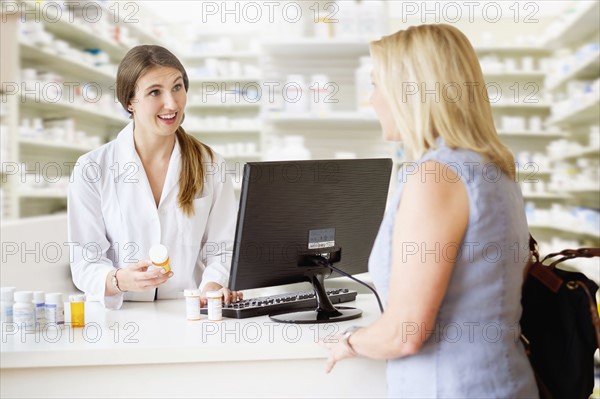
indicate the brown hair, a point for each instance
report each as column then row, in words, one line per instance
column 438, row 56
column 136, row 63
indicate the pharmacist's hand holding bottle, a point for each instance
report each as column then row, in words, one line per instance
column 228, row 295
column 137, row 277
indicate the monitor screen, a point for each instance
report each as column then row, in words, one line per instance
column 297, row 216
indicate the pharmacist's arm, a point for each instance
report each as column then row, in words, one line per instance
column 90, row 267
column 429, row 213
column 217, row 241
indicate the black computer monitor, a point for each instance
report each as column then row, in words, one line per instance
column 297, row 216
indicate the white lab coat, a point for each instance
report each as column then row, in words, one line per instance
column 113, row 221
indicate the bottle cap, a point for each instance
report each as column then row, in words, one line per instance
column 23, row 296
column 77, row 298
column 191, row 292
column 38, row 296
column 159, row 254
column 54, row 298
column 8, row 294
column 214, row 294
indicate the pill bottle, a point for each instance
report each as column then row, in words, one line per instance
column 215, row 305
column 159, row 255
column 39, row 303
column 77, row 310
column 6, row 305
column 55, row 310
column 192, row 304
column 23, row 310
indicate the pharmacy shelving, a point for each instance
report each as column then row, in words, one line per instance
column 577, row 24
column 64, row 64
column 56, row 47
column 89, row 111
column 574, row 36
column 585, row 69
column 586, row 152
column 584, row 112
column 54, row 146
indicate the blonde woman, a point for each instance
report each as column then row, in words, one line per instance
column 153, row 184
column 451, row 250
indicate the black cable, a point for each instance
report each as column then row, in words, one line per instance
column 323, row 262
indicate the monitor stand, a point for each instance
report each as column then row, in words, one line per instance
column 325, row 311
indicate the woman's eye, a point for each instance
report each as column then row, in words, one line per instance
column 154, row 93
column 177, row 87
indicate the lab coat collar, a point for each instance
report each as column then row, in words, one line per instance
column 126, row 153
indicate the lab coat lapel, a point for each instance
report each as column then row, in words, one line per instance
column 173, row 173
column 129, row 175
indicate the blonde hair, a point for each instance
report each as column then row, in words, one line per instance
column 136, row 63
column 423, row 61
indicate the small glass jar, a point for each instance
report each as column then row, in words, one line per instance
column 77, row 310
column 215, row 305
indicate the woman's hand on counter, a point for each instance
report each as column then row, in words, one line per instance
column 138, row 277
column 228, row 295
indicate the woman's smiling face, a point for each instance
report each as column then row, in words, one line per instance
column 159, row 101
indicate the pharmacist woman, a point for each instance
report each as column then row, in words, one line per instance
column 153, row 184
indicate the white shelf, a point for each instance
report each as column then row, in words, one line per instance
column 515, row 75
column 341, row 118
column 62, row 64
column 534, row 173
column 317, row 46
column 189, row 58
column 531, row 134
column 586, row 112
column 75, row 110
column 587, row 152
column 223, row 79
column 43, row 193
column 592, row 189
column 223, row 105
column 83, row 36
column 582, row 23
column 224, row 131
column 565, row 229
column 522, row 105
column 586, row 69
column 254, row 157
column 513, row 50
column 545, row 196
column 54, row 145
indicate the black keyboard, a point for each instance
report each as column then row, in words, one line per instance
column 282, row 303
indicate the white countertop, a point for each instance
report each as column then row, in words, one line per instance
column 158, row 333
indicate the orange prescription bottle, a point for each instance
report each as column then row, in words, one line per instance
column 159, row 255
column 77, row 310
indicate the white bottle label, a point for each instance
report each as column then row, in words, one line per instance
column 40, row 315
column 192, row 307
column 55, row 314
column 7, row 312
column 215, row 309
column 24, row 318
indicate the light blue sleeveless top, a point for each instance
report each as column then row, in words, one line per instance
column 475, row 351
